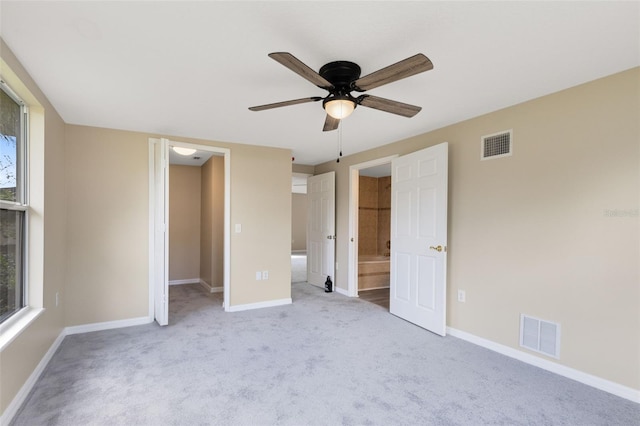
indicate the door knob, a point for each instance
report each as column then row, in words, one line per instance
column 438, row 248
column 330, row 237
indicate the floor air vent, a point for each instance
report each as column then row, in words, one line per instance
column 496, row 145
column 540, row 336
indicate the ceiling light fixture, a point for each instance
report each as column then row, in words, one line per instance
column 183, row 151
column 339, row 106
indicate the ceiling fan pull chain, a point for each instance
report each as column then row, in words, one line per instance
column 339, row 143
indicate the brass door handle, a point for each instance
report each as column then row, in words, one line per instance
column 438, row 248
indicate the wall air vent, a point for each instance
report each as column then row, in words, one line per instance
column 540, row 336
column 496, row 145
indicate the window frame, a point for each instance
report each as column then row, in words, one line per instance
column 21, row 204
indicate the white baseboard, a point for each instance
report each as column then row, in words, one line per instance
column 341, row 291
column 259, row 305
column 99, row 326
column 372, row 288
column 187, row 281
column 26, row 388
column 577, row 375
column 210, row 288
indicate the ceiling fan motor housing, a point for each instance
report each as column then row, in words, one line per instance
column 341, row 74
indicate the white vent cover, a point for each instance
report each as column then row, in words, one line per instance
column 540, row 335
column 496, row 145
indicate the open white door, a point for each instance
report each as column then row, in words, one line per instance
column 161, row 236
column 419, row 238
column 321, row 232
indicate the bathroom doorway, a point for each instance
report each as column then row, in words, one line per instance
column 370, row 225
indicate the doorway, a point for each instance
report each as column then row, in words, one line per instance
column 374, row 234
column 213, row 242
column 299, row 216
column 418, row 235
column 368, row 251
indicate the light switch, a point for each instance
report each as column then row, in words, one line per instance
column 238, row 228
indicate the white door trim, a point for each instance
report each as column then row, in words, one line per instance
column 354, row 188
column 152, row 215
column 227, row 217
column 158, row 300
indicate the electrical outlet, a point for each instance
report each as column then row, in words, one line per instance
column 265, row 275
column 462, row 296
column 258, row 275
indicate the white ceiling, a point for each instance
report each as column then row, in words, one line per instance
column 197, row 159
column 193, row 68
column 377, row 171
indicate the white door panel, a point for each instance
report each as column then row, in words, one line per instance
column 321, row 228
column 161, row 235
column 418, row 228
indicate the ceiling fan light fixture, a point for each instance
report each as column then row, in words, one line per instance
column 183, row 151
column 339, row 107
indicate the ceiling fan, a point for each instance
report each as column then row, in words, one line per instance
column 341, row 78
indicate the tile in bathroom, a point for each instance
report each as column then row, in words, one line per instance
column 368, row 192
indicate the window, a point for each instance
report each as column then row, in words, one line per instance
column 13, row 202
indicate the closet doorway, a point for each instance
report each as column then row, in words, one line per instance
column 189, row 220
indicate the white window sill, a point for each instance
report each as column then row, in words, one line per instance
column 12, row 327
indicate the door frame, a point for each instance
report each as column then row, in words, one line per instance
column 354, row 204
column 227, row 217
column 158, row 267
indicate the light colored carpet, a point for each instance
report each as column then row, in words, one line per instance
column 324, row 360
column 298, row 268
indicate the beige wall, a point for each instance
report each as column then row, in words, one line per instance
column 212, row 222
column 299, row 212
column 302, row 168
column 48, row 230
column 261, row 204
column 532, row 233
column 108, row 205
column 184, row 222
column 298, row 221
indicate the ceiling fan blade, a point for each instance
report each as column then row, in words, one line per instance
column 403, row 69
column 387, row 105
column 285, row 103
column 330, row 123
column 300, row 68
